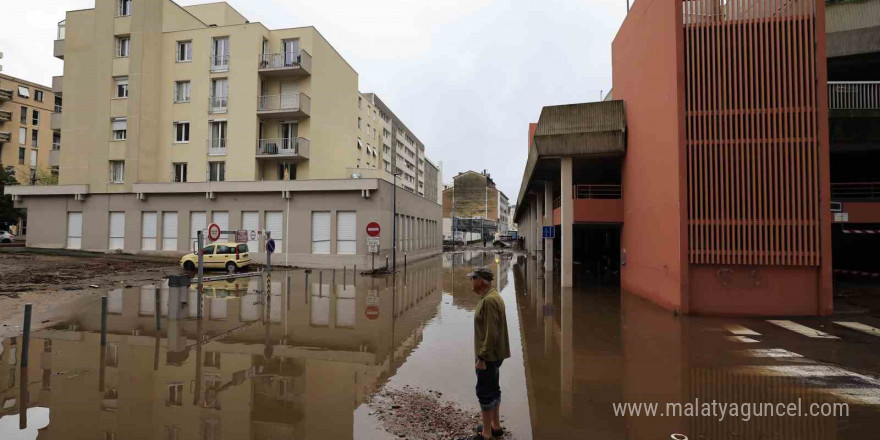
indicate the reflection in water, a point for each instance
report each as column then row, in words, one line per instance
column 292, row 365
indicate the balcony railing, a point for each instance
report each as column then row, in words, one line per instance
column 5, row 136
column 855, row 190
column 62, row 27
column 5, row 95
column 219, row 63
column 5, row 116
column 292, row 102
column 216, row 147
column 284, row 147
column 218, row 104
column 591, row 191
column 286, row 60
column 854, row 95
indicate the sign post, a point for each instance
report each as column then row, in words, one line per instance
column 270, row 248
column 373, row 233
column 201, row 270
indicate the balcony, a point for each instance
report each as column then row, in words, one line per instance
column 57, row 84
column 5, row 95
column 856, row 190
column 593, row 203
column 285, row 64
column 5, row 136
column 5, row 116
column 853, row 97
column 55, row 122
column 283, row 148
column 219, row 63
column 216, row 147
column 218, row 104
column 58, row 50
column 55, row 155
column 293, row 106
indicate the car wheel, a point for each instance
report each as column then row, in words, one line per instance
column 231, row 267
column 189, row 265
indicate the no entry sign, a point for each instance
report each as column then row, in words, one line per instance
column 373, row 229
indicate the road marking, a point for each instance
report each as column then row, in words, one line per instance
column 802, row 329
column 740, row 330
column 860, row 327
column 768, row 353
column 745, row 339
column 866, row 394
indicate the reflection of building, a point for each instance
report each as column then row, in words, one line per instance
column 459, row 264
column 178, row 117
column 474, row 207
column 293, row 367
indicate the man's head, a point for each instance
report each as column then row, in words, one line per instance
column 481, row 279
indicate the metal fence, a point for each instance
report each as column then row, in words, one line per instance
column 219, row 63
column 279, row 60
column 854, row 95
column 216, row 147
column 281, row 102
column 218, row 104
column 283, row 147
column 855, row 190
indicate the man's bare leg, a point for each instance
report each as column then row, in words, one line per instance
column 496, row 418
column 487, row 422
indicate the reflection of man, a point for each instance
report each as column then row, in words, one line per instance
column 491, row 347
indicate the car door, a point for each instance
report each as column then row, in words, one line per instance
column 224, row 254
column 208, row 256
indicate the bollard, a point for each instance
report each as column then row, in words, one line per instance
column 103, row 321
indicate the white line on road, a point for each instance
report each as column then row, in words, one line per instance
column 740, row 330
column 767, row 353
column 860, row 327
column 745, row 339
column 802, row 329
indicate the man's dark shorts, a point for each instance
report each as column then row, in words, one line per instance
column 488, row 388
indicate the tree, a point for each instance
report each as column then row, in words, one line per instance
column 9, row 214
column 45, row 176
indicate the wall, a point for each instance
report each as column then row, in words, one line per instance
column 647, row 75
column 9, row 151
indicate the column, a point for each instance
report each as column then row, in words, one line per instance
column 548, row 220
column 567, row 230
column 539, row 227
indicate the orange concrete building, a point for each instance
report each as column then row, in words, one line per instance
column 703, row 184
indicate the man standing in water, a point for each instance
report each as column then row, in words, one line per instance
column 491, row 348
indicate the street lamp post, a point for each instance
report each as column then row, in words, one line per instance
column 394, row 220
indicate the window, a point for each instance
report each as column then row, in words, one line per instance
column 216, row 171
column 346, row 232
column 22, row 151
column 181, row 91
column 23, row 118
column 124, row 8
column 220, row 54
column 175, row 394
column 38, row 95
column 275, row 226
column 36, row 117
column 217, row 140
column 121, row 87
column 359, row 122
column 225, row 250
column 179, row 172
column 123, row 46
column 57, row 104
column 117, row 230
column 321, row 232
column 219, row 95
column 286, row 171
column 24, row 92
column 149, row 228
column 181, row 132
column 112, row 357
column 35, row 138
column 117, row 171
column 22, row 136
column 119, row 127
column 184, row 51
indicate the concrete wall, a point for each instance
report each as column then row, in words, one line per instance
column 47, row 222
column 653, row 237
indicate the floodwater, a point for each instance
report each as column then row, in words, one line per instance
column 301, row 362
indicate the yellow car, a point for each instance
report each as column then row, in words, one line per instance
column 220, row 255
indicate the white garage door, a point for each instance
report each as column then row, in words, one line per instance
column 222, row 220
column 74, row 230
column 197, row 222
column 346, row 232
column 250, row 221
column 148, row 231
column 169, row 231
column 321, row 232
column 117, row 230
column 275, row 225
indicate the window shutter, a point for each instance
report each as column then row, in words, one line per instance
column 119, row 124
column 346, row 232
column 320, row 232
column 169, row 231
column 275, row 225
column 117, row 230
column 221, row 218
column 250, row 221
column 149, row 231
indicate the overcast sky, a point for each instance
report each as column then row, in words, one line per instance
column 467, row 76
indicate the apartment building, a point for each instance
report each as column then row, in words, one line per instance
column 183, row 116
column 473, row 207
column 30, row 130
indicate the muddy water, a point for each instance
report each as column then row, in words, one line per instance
column 302, row 361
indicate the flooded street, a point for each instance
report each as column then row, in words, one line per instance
column 304, row 361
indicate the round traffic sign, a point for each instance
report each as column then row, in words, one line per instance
column 373, row 229
column 270, row 246
column 213, row 232
column 372, row 312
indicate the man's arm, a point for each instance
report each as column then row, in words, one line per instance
column 490, row 318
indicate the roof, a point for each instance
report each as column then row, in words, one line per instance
column 841, row 17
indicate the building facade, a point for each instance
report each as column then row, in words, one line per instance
column 30, row 132
column 704, row 183
column 184, row 116
column 474, row 208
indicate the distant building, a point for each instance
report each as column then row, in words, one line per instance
column 473, row 207
column 30, row 128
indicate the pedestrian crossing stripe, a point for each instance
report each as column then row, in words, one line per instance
column 744, row 339
column 768, row 353
column 859, row 327
column 802, row 329
column 740, row 330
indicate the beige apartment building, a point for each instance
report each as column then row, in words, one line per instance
column 177, row 117
column 30, row 129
